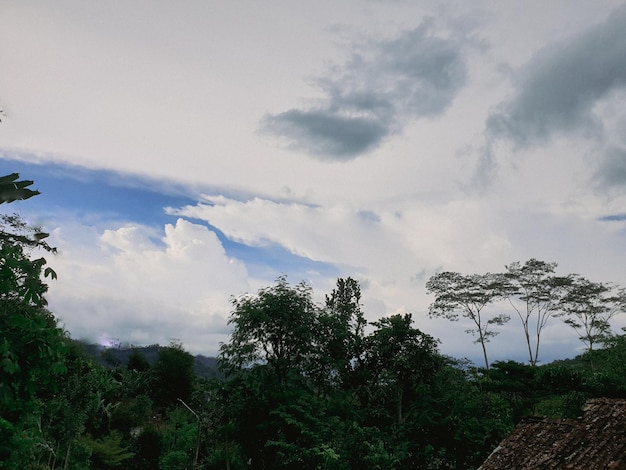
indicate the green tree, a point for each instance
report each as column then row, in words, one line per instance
column 589, row 307
column 400, row 358
column 401, row 363
column 276, row 328
column 107, row 452
column 21, row 276
column 467, row 296
column 137, row 361
column 173, row 376
column 269, row 363
column 467, row 422
column 341, row 332
column 534, row 286
column 32, row 347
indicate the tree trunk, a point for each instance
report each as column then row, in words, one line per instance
column 67, row 455
column 482, row 343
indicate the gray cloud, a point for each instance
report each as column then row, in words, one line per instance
column 327, row 134
column 374, row 94
column 612, row 169
column 557, row 89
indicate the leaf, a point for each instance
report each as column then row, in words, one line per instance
column 51, row 273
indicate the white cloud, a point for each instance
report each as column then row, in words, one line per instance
column 139, row 289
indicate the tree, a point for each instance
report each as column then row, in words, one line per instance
column 467, row 422
column 32, row 347
column 173, row 375
column 468, row 296
column 399, row 358
column 342, row 326
column 589, row 307
column 20, row 277
column 539, row 291
column 137, row 361
column 22, row 295
column 276, row 328
column 268, row 364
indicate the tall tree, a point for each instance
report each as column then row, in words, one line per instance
column 275, row 327
column 589, row 307
column 467, row 296
column 535, row 294
column 173, row 375
column 399, row 359
column 268, row 362
column 342, row 325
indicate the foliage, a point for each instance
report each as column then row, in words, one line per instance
column 274, row 328
column 20, row 276
column 342, row 325
column 107, row 452
column 536, row 295
column 172, row 376
column 589, row 307
column 32, row 353
column 11, row 189
column 540, row 292
column 179, row 438
column 380, row 403
column 32, row 347
column 468, row 296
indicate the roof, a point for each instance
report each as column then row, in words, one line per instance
column 596, row 441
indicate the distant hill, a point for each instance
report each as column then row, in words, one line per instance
column 205, row 367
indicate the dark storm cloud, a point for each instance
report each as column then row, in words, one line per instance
column 380, row 88
column 557, row 89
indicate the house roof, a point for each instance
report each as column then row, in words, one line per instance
column 596, row 441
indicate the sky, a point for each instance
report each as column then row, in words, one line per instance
column 189, row 152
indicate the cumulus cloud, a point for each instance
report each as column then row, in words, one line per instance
column 374, row 94
column 144, row 290
column 313, row 232
column 385, row 245
column 555, row 92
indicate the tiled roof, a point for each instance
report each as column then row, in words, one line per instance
column 596, row 441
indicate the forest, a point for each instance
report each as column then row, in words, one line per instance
column 299, row 384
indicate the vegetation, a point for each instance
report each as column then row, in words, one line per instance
column 301, row 385
column 535, row 294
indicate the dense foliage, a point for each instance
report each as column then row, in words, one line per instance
column 302, row 385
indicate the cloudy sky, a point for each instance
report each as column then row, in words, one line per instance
column 191, row 151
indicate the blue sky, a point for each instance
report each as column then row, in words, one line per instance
column 190, row 152
column 106, row 197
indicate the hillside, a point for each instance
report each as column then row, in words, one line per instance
column 205, row 367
